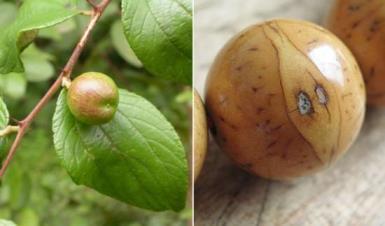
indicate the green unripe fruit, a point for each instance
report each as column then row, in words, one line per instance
column 93, row 98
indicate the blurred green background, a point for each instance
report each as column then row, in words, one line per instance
column 36, row 190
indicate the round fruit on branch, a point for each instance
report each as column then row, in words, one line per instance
column 93, row 98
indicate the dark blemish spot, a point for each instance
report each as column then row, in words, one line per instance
column 239, row 68
column 255, row 89
column 355, row 24
column 267, row 122
column 346, row 112
column 374, row 26
column 271, row 144
column 304, row 104
column 299, row 31
column 321, row 94
column 260, row 110
column 259, row 77
column 309, row 167
column 354, row 7
column 234, row 127
column 253, row 49
column 224, row 121
column 284, row 155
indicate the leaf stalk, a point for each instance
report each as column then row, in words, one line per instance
column 9, row 130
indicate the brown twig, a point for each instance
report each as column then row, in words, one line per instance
column 65, row 73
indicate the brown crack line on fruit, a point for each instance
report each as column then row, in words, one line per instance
column 281, row 85
column 332, row 152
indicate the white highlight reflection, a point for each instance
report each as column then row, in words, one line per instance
column 326, row 59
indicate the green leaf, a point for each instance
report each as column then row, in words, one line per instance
column 13, row 85
column 160, row 33
column 19, row 183
column 8, row 13
column 37, row 69
column 136, row 158
column 4, row 115
column 121, row 45
column 27, row 217
column 33, row 15
column 6, row 223
column 4, row 120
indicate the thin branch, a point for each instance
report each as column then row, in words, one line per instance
column 8, row 130
column 66, row 73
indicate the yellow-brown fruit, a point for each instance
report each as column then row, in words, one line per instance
column 200, row 134
column 286, row 98
column 361, row 25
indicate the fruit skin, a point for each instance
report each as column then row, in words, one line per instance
column 200, row 134
column 286, row 99
column 93, row 98
column 360, row 24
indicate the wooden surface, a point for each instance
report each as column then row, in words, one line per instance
column 349, row 193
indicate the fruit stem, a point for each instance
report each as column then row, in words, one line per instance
column 66, row 82
column 65, row 73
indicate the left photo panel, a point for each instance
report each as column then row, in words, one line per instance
column 96, row 112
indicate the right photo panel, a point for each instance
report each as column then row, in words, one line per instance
column 289, row 116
